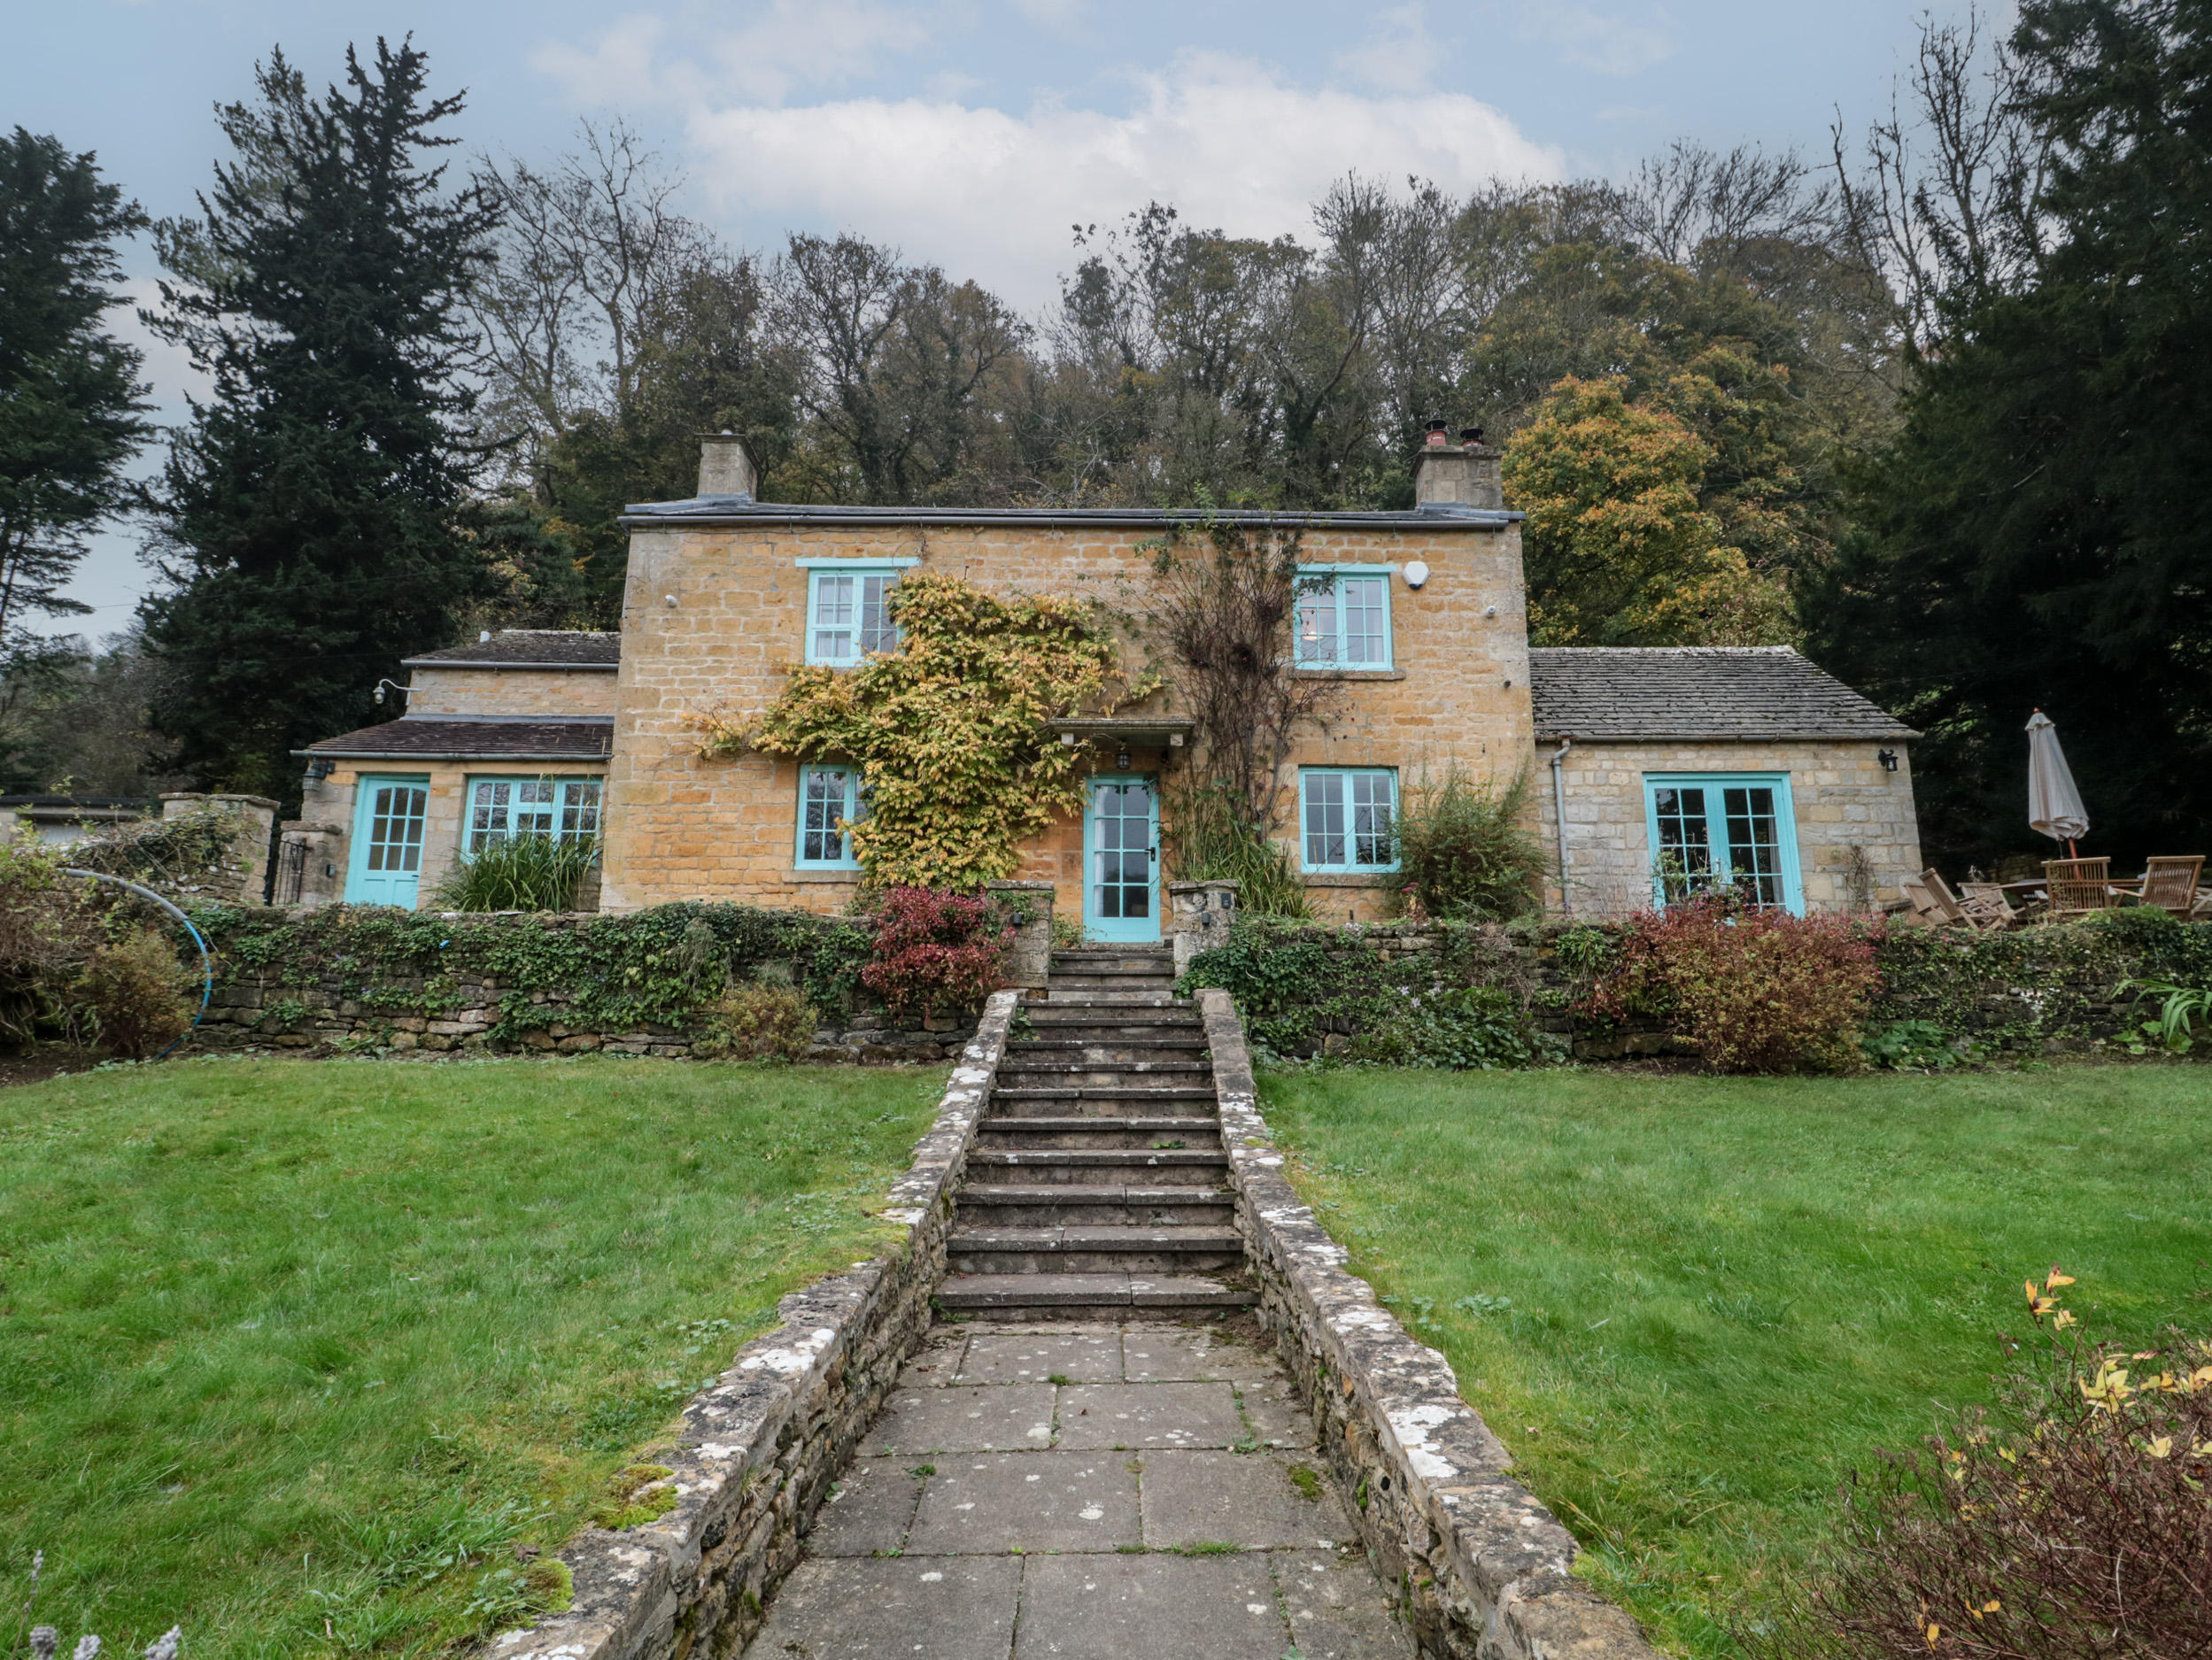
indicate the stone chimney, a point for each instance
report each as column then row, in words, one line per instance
column 725, row 466
column 1462, row 474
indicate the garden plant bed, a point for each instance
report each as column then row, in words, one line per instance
column 1691, row 1306
column 296, row 1355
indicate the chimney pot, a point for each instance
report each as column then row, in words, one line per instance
column 1439, row 431
column 1470, row 434
column 725, row 466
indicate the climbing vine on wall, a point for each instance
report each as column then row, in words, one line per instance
column 949, row 731
column 607, row 973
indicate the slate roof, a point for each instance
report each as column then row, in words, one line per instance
column 732, row 509
column 1691, row 692
column 529, row 648
column 430, row 737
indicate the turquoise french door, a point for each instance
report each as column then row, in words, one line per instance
column 385, row 864
column 1121, row 860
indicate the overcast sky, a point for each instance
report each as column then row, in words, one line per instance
column 975, row 134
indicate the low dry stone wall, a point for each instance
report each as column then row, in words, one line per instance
column 2050, row 989
column 757, row 1451
column 1486, row 1568
column 244, row 1014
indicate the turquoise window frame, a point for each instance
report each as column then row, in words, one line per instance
column 1326, row 584
column 578, row 808
column 852, row 811
column 1792, row 881
column 818, row 568
column 1310, row 777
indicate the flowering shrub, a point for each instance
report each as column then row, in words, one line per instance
column 935, row 948
column 2075, row 1524
column 1756, row 990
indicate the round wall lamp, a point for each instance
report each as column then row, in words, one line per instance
column 1415, row 573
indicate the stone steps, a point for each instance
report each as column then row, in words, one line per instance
column 1072, row 1207
column 1088, row 1297
column 1080, row 1204
column 1129, row 1167
column 1076, row 1129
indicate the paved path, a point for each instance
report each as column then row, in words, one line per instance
column 1132, row 1492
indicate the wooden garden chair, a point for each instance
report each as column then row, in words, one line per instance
column 2170, row 884
column 1985, row 904
column 1927, row 909
column 1960, row 913
column 2079, row 887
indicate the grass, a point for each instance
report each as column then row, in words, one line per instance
column 295, row 1353
column 1691, row 1306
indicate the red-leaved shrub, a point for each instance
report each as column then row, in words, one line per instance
column 936, row 949
column 1756, row 990
column 2072, row 1522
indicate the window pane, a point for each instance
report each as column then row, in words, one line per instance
column 834, row 603
column 1754, row 844
column 580, row 811
column 1366, row 608
column 1685, row 858
column 1325, row 818
column 877, row 632
column 823, row 793
column 1317, row 626
column 395, row 834
column 1372, row 794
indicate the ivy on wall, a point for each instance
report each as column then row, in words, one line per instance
column 1304, row 989
column 654, row 968
column 949, row 731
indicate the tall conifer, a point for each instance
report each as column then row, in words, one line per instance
column 309, row 513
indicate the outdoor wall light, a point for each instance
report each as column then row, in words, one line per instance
column 1888, row 758
column 320, row 769
column 395, row 686
column 1121, row 759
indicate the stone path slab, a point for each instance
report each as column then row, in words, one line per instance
column 1136, row 1491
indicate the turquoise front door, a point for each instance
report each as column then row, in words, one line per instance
column 385, row 865
column 1121, row 860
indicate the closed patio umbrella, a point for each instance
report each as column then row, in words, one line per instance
column 2054, row 806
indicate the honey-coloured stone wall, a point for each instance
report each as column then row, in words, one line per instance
column 716, row 613
column 1858, row 835
column 548, row 694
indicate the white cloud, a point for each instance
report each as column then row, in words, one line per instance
column 993, row 194
column 1609, row 45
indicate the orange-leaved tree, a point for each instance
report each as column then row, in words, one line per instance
column 1619, row 549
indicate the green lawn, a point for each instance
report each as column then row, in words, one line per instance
column 295, row 1352
column 1691, row 1305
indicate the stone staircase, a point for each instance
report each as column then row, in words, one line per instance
column 1098, row 1183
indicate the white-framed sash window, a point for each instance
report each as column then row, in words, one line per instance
column 500, row 809
column 830, row 801
column 1342, row 618
column 1347, row 818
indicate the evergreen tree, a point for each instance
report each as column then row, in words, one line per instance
column 2040, row 534
column 311, row 511
column 69, row 392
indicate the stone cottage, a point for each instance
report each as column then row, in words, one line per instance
column 1674, row 769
